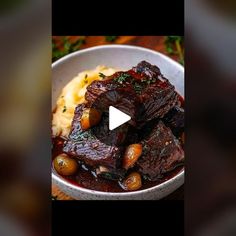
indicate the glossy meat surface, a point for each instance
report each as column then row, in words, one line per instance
column 162, row 153
column 142, row 92
column 174, row 119
column 85, row 146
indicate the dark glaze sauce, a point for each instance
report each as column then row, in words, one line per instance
column 86, row 178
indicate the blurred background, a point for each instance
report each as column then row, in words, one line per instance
column 25, row 150
column 210, row 79
column 172, row 46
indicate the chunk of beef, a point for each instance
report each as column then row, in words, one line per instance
column 85, row 146
column 109, row 83
column 162, row 153
column 112, row 92
column 143, row 93
column 145, row 69
column 115, row 137
column 157, row 100
column 159, row 96
column 174, row 119
column 145, row 131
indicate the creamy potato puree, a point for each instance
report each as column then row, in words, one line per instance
column 72, row 95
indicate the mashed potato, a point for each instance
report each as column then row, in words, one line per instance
column 72, row 95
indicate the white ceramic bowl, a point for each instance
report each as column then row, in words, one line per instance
column 122, row 57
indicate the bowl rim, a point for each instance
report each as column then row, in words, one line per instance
column 63, row 181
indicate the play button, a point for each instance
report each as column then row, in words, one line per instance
column 117, row 118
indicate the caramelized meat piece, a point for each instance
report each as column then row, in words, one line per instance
column 174, row 119
column 85, row 146
column 147, row 70
column 157, row 100
column 109, row 83
column 161, row 153
column 159, row 96
column 115, row 91
column 116, row 137
column 143, row 93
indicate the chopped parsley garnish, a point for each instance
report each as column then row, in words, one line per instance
column 138, row 87
column 146, row 81
column 65, row 46
column 111, row 38
column 153, row 80
column 101, row 75
column 121, row 78
column 85, row 79
column 64, row 109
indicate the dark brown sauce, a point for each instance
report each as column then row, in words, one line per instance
column 85, row 178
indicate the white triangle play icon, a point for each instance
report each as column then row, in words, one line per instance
column 116, row 118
